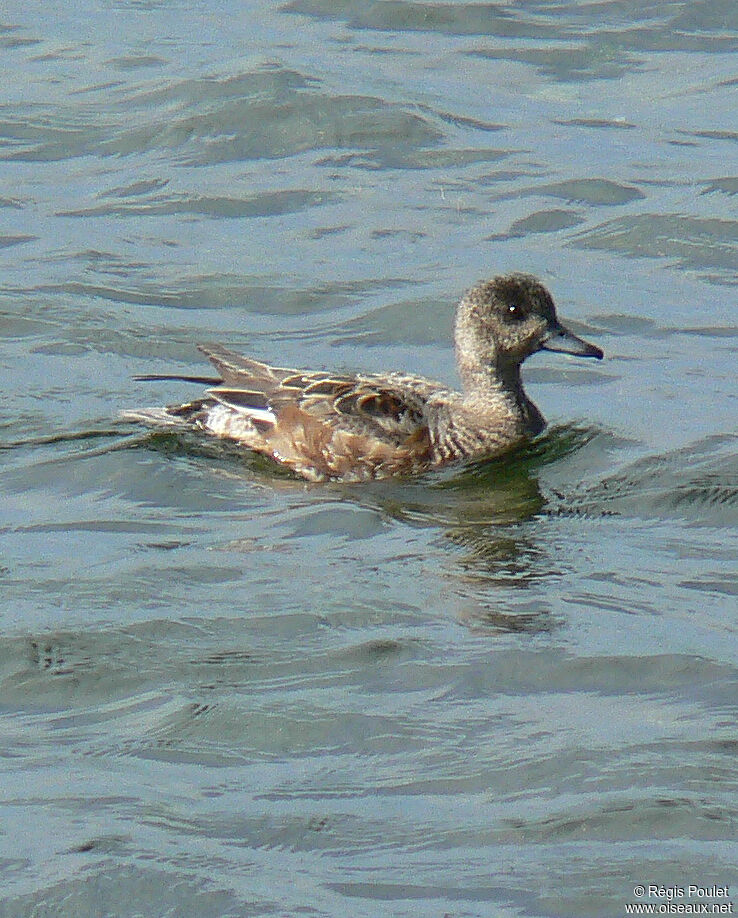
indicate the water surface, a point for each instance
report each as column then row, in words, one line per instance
column 503, row 690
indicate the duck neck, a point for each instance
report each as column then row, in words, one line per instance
column 499, row 383
column 493, row 378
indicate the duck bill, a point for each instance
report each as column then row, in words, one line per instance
column 560, row 339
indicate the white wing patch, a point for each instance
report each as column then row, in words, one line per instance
column 224, row 421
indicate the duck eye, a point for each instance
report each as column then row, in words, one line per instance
column 514, row 311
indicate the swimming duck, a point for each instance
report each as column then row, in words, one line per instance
column 338, row 427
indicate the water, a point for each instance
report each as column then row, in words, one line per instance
column 507, row 690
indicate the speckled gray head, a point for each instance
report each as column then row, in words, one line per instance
column 502, row 321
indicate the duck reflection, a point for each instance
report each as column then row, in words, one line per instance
column 485, row 515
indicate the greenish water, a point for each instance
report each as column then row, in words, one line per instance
column 504, row 690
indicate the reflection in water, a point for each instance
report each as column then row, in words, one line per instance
column 485, row 511
column 487, row 615
column 491, row 512
column 476, row 496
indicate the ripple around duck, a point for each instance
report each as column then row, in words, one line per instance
column 698, row 483
column 484, row 494
column 470, row 503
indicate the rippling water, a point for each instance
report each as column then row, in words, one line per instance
column 503, row 690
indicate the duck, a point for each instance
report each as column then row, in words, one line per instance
column 327, row 426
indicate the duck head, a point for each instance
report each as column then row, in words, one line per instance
column 502, row 321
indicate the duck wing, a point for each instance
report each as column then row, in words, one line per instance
column 389, row 407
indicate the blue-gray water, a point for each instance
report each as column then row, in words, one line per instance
column 504, row 691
